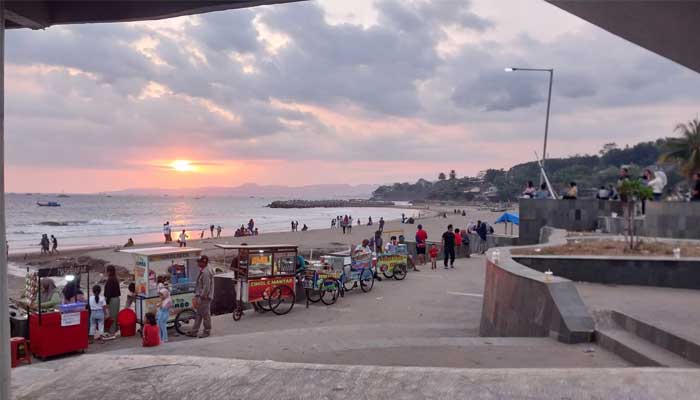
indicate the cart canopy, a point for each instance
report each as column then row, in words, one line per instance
column 508, row 217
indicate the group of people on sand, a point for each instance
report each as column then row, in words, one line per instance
column 49, row 246
column 452, row 239
column 295, row 227
column 214, row 232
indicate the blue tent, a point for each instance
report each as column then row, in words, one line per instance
column 508, row 217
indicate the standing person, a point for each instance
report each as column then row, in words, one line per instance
column 296, row 226
column 466, row 243
column 482, row 231
column 403, row 218
column 543, row 193
column 211, row 231
column 655, row 182
column 333, row 223
column 97, row 313
column 458, row 239
column 572, row 193
column 182, row 239
column 166, row 232
column 54, row 245
column 349, row 224
column 378, row 242
column 358, row 222
column 603, row 193
column 166, row 303
column 421, row 238
column 695, row 193
column 251, row 225
column 344, row 224
column 292, row 226
column 202, row 300
column 218, row 231
column 433, row 256
column 44, row 244
column 448, row 247
column 381, row 224
column 131, row 297
column 624, row 176
column 112, row 297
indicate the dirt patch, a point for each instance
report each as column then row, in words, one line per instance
column 611, row 248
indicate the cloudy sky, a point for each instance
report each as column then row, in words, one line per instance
column 362, row 91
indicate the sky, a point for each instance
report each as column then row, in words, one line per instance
column 327, row 91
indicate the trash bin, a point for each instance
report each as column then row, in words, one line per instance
column 19, row 323
column 127, row 322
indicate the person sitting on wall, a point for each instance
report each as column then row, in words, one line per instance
column 572, row 193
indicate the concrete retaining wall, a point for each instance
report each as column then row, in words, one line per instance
column 519, row 301
column 672, row 219
column 642, row 271
column 572, row 215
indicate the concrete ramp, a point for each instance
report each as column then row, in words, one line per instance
column 110, row 377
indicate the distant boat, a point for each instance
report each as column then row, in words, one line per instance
column 62, row 195
column 48, row 204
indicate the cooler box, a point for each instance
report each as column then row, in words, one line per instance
column 58, row 333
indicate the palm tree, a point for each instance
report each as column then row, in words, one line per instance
column 684, row 150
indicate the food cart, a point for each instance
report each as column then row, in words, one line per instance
column 61, row 329
column 357, row 270
column 322, row 282
column 394, row 264
column 264, row 276
column 182, row 271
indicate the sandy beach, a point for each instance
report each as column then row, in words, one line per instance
column 319, row 241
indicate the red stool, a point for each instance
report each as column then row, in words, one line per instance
column 20, row 351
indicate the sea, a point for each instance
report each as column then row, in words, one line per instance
column 84, row 221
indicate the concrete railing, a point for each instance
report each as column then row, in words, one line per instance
column 519, row 301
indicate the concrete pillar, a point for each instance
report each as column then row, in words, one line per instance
column 4, row 317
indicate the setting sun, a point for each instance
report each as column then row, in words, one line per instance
column 182, row 166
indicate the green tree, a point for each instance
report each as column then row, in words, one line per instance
column 442, row 176
column 684, row 150
column 633, row 191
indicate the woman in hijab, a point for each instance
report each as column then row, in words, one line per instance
column 49, row 295
column 113, row 296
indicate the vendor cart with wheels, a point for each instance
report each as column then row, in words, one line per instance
column 264, row 276
column 356, row 270
column 322, row 283
column 60, row 324
column 178, row 272
column 394, row 263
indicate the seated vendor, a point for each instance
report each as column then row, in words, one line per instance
column 72, row 292
column 49, row 295
column 362, row 249
column 393, row 245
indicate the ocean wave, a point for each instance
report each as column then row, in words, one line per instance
column 80, row 223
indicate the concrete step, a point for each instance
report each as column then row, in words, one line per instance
column 642, row 343
column 638, row 351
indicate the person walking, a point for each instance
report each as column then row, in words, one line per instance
column 349, row 224
column 448, row 246
column 421, row 238
column 458, row 239
column 167, row 234
column 381, row 224
column 54, row 245
column 113, row 296
column 218, row 231
column 211, row 231
column 44, row 244
column 202, row 298
column 344, row 224
column 182, row 239
column 482, row 231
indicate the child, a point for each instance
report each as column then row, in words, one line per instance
column 151, row 336
column 433, row 256
column 164, row 313
column 131, row 297
column 97, row 313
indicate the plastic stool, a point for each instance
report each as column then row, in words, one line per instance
column 20, row 351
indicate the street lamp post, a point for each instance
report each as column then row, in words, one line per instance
column 549, row 105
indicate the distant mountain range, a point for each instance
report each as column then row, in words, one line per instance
column 322, row 191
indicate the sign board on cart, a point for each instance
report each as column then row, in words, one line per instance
column 261, row 289
column 70, row 319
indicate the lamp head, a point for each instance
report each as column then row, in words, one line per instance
column 510, row 69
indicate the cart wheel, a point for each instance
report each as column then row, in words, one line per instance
column 349, row 285
column 237, row 314
column 282, row 300
column 313, row 295
column 389, row 273
column 329, row 297
column 184, row 321
column 262, row 306
column 367, row 282
column 400, row 272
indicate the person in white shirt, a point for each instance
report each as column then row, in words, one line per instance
column 97, row 313
column 182, row 239
column 655, row 182
column 393, row 245
column 167, row 232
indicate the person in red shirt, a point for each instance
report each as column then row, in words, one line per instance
column 421, row 237
column 151, row 332
column 458, row 238
column 433, row 257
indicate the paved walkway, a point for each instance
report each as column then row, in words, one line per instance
column 673, row 310
column 109, row 377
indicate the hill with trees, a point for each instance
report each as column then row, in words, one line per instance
column 588, row 171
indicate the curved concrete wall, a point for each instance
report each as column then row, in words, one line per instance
column 518, row 301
